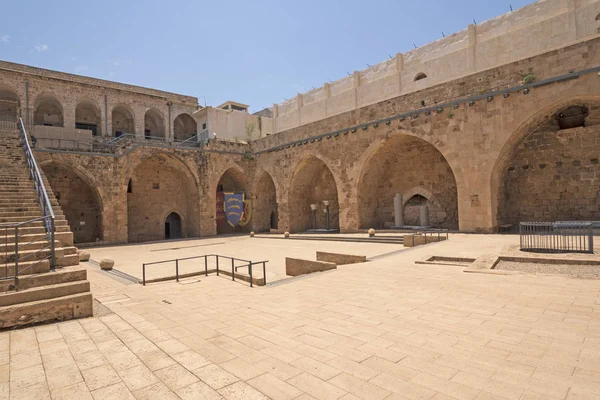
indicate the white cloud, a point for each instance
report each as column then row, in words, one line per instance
column 73, row 58
column 5, row 38
column 42, row 47
column 81, row 68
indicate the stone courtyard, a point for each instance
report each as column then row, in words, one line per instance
column 388, row 329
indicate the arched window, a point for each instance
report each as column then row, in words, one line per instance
column 420, row 75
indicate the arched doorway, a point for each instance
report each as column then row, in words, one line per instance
column 154, row 124
column 184, row 127
column 9, row 105
column 123, row 120
column 79, row 201
column 233, row 181
column 87, row 116
column 173, row 226
column 409, row 166
column 313, row 185
column 550, row 170
column 265, row 204
column 157, row 186
column 48, row 111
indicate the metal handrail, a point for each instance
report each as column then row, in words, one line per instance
column 46, row 206
column 193, row 139
column 234, row 268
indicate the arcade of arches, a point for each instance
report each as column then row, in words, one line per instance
column 78, row 200
column 159, row 186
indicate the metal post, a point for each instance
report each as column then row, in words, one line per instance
column 264, row 273
column 16, row 256
column 327, row 212
column 250, row 270
column 217, row 257
column 177, row 270
column 205, row 265
column 52, row 246
column 232, row 269
column 144, row 274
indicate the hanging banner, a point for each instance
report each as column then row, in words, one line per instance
column 233, row 204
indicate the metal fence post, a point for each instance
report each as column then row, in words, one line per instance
column 17, row 256
column 232, row 269
column 265, row 273
column 144, row 274
column 177, row 270
column 217, row 257
column 250, row 270
column 206, row 265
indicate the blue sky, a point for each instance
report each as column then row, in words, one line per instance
column 254, row 52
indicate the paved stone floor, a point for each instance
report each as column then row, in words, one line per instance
column 387, row 329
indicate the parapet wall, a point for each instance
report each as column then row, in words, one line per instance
column 540, row 27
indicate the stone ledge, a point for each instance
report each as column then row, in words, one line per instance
column 418, row 240
column 296, row 266
column 339, row 258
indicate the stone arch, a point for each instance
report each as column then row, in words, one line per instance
column 232, row 180
column 546, row 173
column 405, row 164
column 154, row 181
column 88, row 116
column 174, row 224
column 184, row 127
column 79, row 199
column 264, row 198
column 154, row 124
column 411, row 212
column 48, row 110
column 9, row 104
column 313, row 183
column 123, row 120
column 420, row 75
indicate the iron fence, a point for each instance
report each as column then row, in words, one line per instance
column 220, row 267
column 557, row 237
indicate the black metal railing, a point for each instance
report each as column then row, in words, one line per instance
column 8, row 121
column 34, row 174
column 557, row 237
column 220, row 267
column 439, row 232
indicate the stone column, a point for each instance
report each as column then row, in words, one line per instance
column 398, row 210
column 424, row 218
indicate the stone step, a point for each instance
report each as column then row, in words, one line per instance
column 33, row 229
column 57, row 309
column 59, row 220
column 68, row 260
column 9, row 257
column 65, row 237
column 25, row 268
column 26, row 215
column 59, row 275
column 26, row 245
column 44, row 292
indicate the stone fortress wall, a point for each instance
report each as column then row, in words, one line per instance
column 535, row 29
column 528, row 154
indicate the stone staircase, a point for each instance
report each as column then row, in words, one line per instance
column 39, row 294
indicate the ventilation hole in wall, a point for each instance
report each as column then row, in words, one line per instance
column 155, row 186
column 129, row 187
column 542, row 166
column 525, row 167
column 576, row 163
column 598, row 17
column 572, row 117
column 559, row 163
column 594, row 161
column 510, row 169
column 420, row 75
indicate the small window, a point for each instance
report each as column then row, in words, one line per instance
column 204, row 125
column 129, row 187
column 420, row 76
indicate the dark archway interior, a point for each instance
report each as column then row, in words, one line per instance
column 9, row 104
column 87, row 116
column 553, row 173
column 265, row 205
column 159, row 185
column 232, row 181
column 405, row 164
column 48, row 111
column 154, row 124
column 173, row 226
column 184, row 127
column 313, row 183
column 122, row 121
column 78, row 201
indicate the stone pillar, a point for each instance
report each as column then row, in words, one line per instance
column 424, row 218
column 398, row 210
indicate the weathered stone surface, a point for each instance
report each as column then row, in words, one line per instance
column 418, row 240
column 340, row 259
column 84, row 256
column 107, row 264
column 296, row 266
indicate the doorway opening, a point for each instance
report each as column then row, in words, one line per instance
column 173, row 226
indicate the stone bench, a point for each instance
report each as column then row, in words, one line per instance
column 418, row 240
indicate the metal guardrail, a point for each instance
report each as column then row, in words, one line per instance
column 34, row 174
column 557, row 237
column 246, row 264
column 432, row 232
